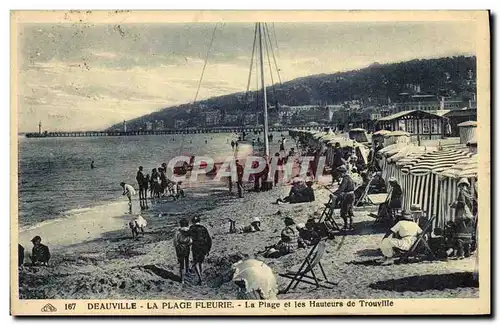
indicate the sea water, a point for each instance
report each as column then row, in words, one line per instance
column 55, row 179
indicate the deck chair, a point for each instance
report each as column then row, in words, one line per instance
column 421, row 239
column 306, row 273
column 328, row 215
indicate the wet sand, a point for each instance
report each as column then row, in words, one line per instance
column 110, row 264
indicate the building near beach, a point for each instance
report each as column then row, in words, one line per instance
column 420, row 124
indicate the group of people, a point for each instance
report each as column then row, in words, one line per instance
column 300, row 192
column 293, row 237
column 458, row 236
column 157, row 183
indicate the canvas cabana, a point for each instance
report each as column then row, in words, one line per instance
column 421, row 125
column 395, row 137
column 359, row 135
column 379, row 136
column 448, row 185
column 467, row 131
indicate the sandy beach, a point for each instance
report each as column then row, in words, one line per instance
column 103, row 261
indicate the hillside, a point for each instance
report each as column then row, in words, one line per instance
column 372, row 85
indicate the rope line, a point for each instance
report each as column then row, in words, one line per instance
column 205, row 64
column 272, row 51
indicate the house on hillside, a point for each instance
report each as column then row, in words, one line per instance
column 212, row 117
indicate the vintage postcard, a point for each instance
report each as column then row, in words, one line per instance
column 250, row 163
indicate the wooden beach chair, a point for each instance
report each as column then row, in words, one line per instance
column 328, row 215
column 421, row 239
column 306, row 273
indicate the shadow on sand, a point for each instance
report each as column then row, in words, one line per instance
column 162, row 273
column 428, row 282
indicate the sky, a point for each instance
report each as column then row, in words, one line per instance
column 82, row 76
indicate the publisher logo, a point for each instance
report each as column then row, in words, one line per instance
column 48, row 308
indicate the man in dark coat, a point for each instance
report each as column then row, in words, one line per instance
column 239, row 174
column 201, row 245
column 40, row 255
column 338, row 160
column 141, row 180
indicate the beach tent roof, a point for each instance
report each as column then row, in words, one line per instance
column 312, row 123
column 344, row 142
column 409, row 150
column 435, row 161
column 468, row 123
column 381, row 132
column 357, row 130
column 410, row 114
column 466, row 168
column 397, row 134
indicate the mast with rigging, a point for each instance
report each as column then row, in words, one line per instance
column 264, row 94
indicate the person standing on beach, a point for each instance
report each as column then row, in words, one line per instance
column 92, row 166
column 346, row 194
column 338, row 160
column 129, row 191
column 154, row 183
column 140, row 181
column 201, row 246
column 239, row 173
column 182, row 245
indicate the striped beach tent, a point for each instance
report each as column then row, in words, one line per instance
column 420, row 181
column 448, row 184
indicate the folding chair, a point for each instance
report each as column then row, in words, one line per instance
column 312, row 260
column 427, row 229
column 328, row 215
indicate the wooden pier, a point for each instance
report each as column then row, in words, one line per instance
column 248, row 130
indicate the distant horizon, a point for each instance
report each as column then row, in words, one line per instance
column 127, row 71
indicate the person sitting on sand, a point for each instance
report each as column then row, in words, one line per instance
column 129, row 191
column 40, row 255
column 202, row 243
column 288, row 243
column 401, row 236
column 253, row 227
column 304, row 195
column 137, row 224
column 297, row 186
column 182, row 245
column 307, row 235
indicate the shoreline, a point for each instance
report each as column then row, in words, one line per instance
column 115, row 266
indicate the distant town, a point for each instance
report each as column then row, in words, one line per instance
column 352, row 113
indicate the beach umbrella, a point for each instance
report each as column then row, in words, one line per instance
column 255, row 280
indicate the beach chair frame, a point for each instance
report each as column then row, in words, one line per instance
column 328, row 216
column 312, row 260
column 427, row 229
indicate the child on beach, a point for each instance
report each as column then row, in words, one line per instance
column 182, row 244
column 202, row 243
column 288, row 243
column 129, row 191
